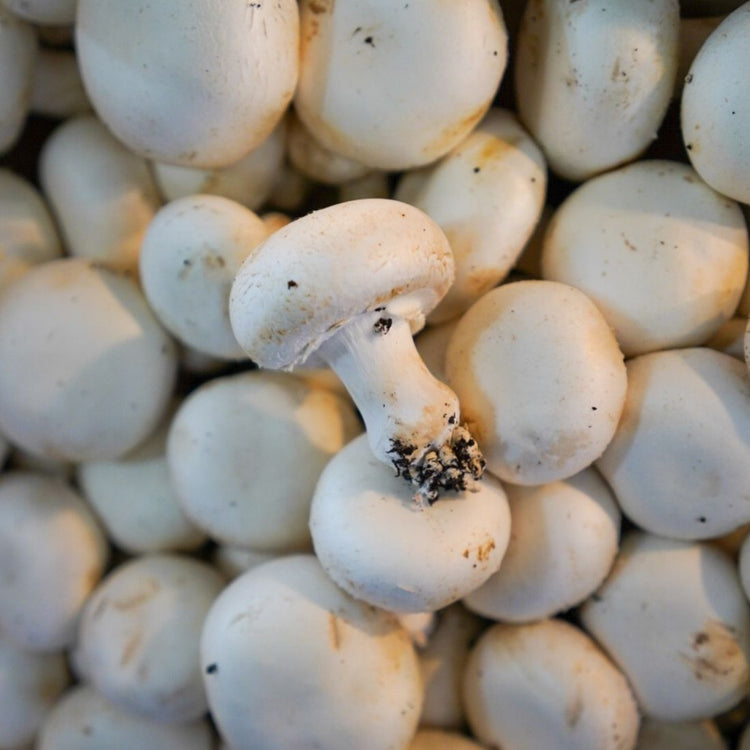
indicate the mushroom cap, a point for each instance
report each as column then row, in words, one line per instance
column 44, row 12
column 189, row 256
column 564, row 538
column 138, row 639
column 292, row 661
column 310, row 277
column 679, row 462
column 546, row 684
column 83, row 719
column 663, row 255
column 193, row 82
column 57, row 89
column 52, row 554
column 378, row 545
column 673, row 615
column 680, row 735
column 715, row 112
column 540, row 379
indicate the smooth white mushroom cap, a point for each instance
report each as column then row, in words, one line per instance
column 189, row 257
column 693, row 34
column 594, row 80
column 135, row 501
column 379, row 546
column 30, row 684
column 87, row 370
column 85, row 720
column 547, row 685
column 102, row 194
column 52, row 554
column 679, row 463
column 138, row 640
column 18, row 51
column 27, row 232
column 311, row 276
column 290, row 660
column 540, row 379
column 442, row 661
column 395, row 85
column 435, row 739
column 248, row 181
column 673, row 615
column 563, row 540
column 245, row 451
column 45, row 12
column 487, row 195
column 715, row 113
column 193, row 82
column 684, row 735
column 663, row 256
column 57, row 87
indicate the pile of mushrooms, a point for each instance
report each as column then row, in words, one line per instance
column 374, row 374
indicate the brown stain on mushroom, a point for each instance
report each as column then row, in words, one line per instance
column 714, row 652
column 448, row 137
column 320, row 6
column 484, row 550
column 130, row 648
column 334, row 632
column 140, row 597
column 573, row 710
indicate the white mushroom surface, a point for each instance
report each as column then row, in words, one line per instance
column 193, row 82
column 138, row 640
column 85, row 720
column 44, row 12
column 396, row 85
column 190, row 254
column 245, row 451
column 715, row 112
column 563, row 540
column 87, row 369
column 673, row 615
column 684, row 735
column 487, row 195
column 433, row 556
column 353, row 282
column 663, row 255
column 290, row 660
column 547, row 684
column 57, row 88
column 52, row 554
column 103, row 195
column 540, row 378
column 679, row 462
column 594, row 79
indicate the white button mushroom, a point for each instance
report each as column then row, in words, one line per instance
column 563, row 541
column 57, row 88
column 233, row 561
column 487, row 195
column 547, row 685
column 189, row 81
column 190, row 254
column 52, row 554
column 685, row 735
column 594, row 79
column 730, row 338
column 382, row 549
column 18, row 51
column 679, row 463
column 138, row 639
column 248, row 181
column 353, row 282
column 716, row 108
column 245, row 451
column 291, row 661
column 30, row 684
column 86, row 720
column 44, row 12
column 87, row 370
column 135, row 501
column 541, row 380
column 663, row 256
column 394, row 85
column 673, row 615
column 103, row 195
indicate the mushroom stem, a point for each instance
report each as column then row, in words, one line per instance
column 412, row 419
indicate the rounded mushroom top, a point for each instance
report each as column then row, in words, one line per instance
column 309, row 278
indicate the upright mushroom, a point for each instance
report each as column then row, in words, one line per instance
column 353, row 282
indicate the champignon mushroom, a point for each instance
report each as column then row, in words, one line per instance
column 292, row 661
column 353, row 282
column 138, row 638
column 432, row 558
column 44, row 12
column 57, row 88
column 680, row 735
